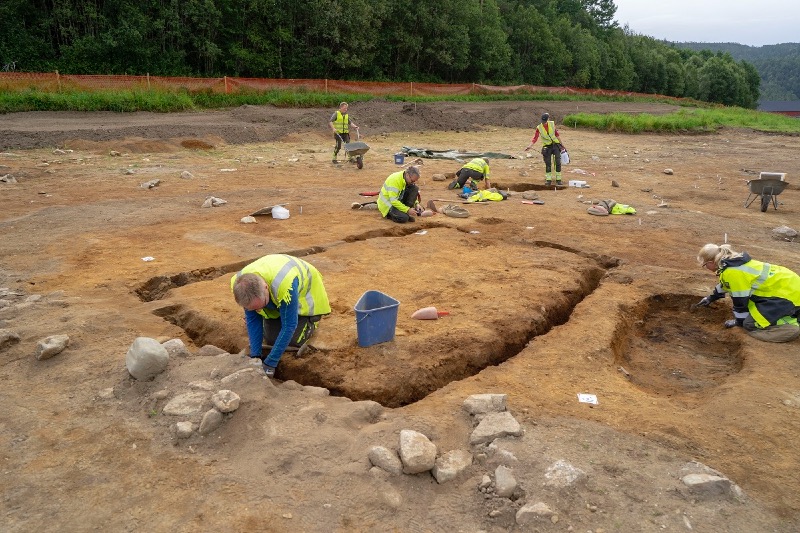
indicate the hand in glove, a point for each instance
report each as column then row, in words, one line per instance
column 705, row 302
column 731, row 323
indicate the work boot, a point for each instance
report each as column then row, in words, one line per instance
column 558, row 182
column 548, row 182
column 453, row 185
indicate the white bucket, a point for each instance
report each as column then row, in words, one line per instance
column 281, row 213
column 564, row 157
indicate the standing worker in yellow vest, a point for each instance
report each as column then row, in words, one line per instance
column 283, row 299
column 551, row 148
column 477, row 170
column 399, row 197
column 766, row 297
column 340, row 124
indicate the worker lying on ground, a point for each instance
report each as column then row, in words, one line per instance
column 283, row 299
column 399, row 197
column 477, row 171
column 766, row 297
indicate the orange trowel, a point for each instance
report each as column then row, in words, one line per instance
column 428, row 313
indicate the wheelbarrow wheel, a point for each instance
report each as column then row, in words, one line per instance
column 360, row 162
column 765, row 199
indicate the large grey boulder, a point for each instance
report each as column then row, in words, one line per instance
column 146, row 358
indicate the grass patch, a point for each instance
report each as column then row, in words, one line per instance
column 685, row 121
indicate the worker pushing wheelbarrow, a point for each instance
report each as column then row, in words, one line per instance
column 340, row 124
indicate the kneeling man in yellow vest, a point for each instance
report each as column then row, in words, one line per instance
column 399, row 197
column 283, row 299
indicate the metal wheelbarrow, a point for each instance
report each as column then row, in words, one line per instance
column 356, row 149
column 767, row 189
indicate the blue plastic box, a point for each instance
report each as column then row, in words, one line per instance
column 376, row 318
column 399, row 159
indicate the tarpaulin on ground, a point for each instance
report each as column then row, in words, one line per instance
column 453, row 154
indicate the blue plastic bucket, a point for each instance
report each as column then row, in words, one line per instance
column 376, row 318
column 399, row 159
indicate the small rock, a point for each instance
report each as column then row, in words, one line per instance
column 187, row 175
column 8, row 178
column 114, row 153
column 160, row 395
column 213, row 201
column 438, row 177
column 184, row 430
column 8, row 338
column 248, row 220
column 106, row 394
column 784, row 233
column 417, row 453
column 668, row 171
column 226, row 401
column 211, row 421
column 51, row 346
column 614, row 183
column 176, row 348
column 146, row 358
column 150, row 184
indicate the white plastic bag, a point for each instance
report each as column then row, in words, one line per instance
column 281, row 213
column 564, row 157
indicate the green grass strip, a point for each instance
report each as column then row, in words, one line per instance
column 685, row 121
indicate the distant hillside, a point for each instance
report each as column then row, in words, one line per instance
column 778, row 65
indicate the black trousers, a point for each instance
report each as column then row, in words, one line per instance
column 547, row 153
column 339, row 137
column 465, row 174
column 408, row 197
column 306, row 326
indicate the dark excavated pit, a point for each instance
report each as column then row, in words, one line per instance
column 522, row 187
column 425, row 355
column 667, row 348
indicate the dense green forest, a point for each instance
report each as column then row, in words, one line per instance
column 540, row 42
column 778, row 65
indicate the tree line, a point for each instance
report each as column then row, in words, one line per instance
column 778, row 65
column 538, row 42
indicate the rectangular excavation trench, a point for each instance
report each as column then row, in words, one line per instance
column 524, row 291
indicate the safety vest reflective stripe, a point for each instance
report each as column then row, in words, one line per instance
column 390, row 192
column 478, row 165
column 342, row 122
column 280, row 271
column 549, row 135
column 304, row 280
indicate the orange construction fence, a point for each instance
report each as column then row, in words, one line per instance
column 53, row 81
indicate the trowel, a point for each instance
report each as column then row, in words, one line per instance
column 428, row 313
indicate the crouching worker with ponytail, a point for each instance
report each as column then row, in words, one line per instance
column 766, row 297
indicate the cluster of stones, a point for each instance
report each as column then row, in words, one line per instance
column 417, row 454
column 45, row 348
column 146, row 358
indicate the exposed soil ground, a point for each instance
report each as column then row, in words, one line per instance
column 545, row 302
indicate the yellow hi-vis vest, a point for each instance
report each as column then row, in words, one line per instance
column 342, row 122
column 390, row 193
column 773, row 291
column 279, row 271
column 479, row 165
column 548, row 138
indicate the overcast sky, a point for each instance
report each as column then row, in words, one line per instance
column 754, row 22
